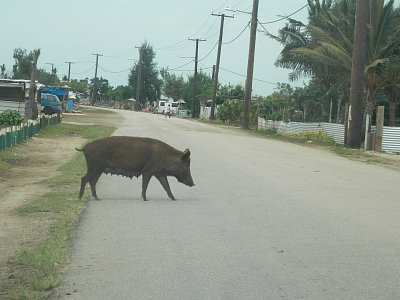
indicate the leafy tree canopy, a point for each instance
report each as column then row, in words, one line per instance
column 150, row 85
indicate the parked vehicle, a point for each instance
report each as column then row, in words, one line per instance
column 50, row 104
column 174, row 106
column 161, row 106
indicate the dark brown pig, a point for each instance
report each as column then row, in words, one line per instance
column 135, row 156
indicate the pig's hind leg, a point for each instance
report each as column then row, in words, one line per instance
column 92, row 181
column 164, row 182
column 92, row 178
column 145, row 182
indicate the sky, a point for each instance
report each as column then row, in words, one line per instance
column 72, row 31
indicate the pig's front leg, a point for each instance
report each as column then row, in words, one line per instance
column 164, row 182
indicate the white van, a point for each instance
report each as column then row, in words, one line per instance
column 161, row 107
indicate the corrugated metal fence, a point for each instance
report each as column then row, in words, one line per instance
column 390, row 138
column 11, row 136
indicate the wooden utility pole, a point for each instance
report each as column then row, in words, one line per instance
column 69, row 69
column 215, row 74
column 379, row 128
column 357, row 75
column 250, row 66
column 95, row 78
column 196, row 56
column 139, row 75
column 52, row 67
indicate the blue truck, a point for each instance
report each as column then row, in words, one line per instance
column 53, row 99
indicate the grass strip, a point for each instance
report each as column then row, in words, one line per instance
column 38, row 269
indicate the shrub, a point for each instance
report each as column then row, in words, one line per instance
column 10, row 117
column 231, row 112
column 318, row 137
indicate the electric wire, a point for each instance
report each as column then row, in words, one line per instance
column 184, row 65
column 113, row 72
column 285, row 17
column 241, row 75
column 79, row 73
column 212, row 49
column 226, row 43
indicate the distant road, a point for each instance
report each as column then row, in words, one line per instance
column 266, row 220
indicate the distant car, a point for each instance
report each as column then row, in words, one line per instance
column 50, row 104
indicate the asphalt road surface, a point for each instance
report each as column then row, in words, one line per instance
column 266, row 220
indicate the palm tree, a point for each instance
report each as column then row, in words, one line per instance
column 323, row 48
column 383, row 48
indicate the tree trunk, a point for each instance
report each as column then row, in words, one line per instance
column 31, row 110
column 357, row 75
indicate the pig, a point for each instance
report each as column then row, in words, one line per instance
column 134, row 156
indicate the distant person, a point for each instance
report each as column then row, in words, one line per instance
column 168, row 114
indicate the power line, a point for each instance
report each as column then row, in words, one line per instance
column 91, row 68
column 212, row 49
column 285, row 17
column 114, row 72
column 247, row 25
column 241, row 75
column 176, row 68
column 183, row 43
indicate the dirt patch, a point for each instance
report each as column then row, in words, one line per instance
column 24, row 178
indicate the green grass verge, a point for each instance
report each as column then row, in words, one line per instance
column 94, row 110
column 39, row 268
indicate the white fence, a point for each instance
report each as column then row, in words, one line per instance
column 390, row 138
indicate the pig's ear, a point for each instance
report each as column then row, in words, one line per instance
column 186, row 154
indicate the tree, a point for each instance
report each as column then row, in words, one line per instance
column 22, row 67
column 3, row 74
column 47, row 78
column 173, row 85
column 227, row 92
column 31, row 110
column 150, row 83
column 323, row 48
column 203, row 90
column 79, row 86
column 102, row 87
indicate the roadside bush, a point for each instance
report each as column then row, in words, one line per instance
column 231, row 112
column 318, row 137
column 10, row 117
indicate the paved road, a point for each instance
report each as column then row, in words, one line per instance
column 266, row 220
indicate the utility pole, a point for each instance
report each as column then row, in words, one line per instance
column 95, row 78
column 250, row 66
column 69, row 68
column 357, row 75
column 52, row 67
column 139, row 74
column 215, row 74
column 195, row 74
